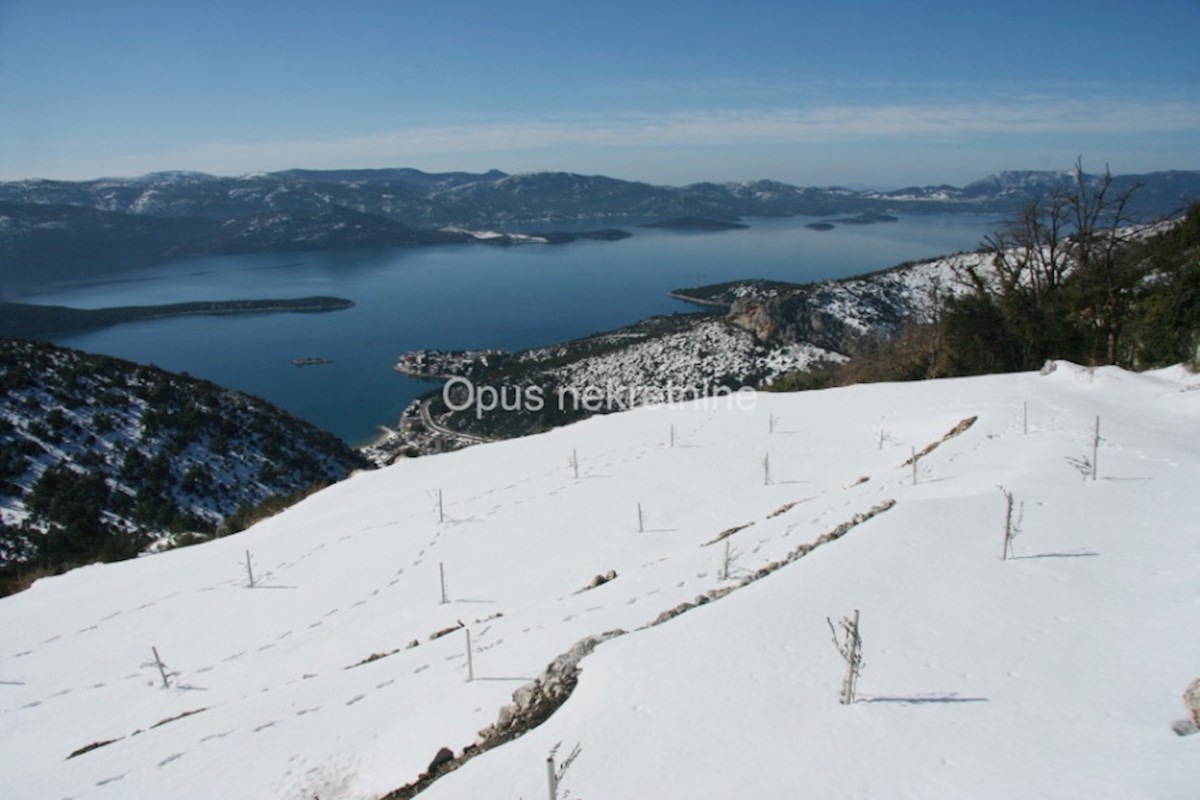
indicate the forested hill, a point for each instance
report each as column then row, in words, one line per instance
column 101, row 458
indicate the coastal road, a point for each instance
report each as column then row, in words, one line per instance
column 428, row 421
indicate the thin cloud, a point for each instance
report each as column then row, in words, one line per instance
column 815, row 125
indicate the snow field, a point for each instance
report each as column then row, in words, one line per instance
column 1054, row 674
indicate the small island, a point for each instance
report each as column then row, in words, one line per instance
column 696, row 224
column 866, row 218
column 28, row 321
column 820, row 226
column 311, row 362
column 566, row 237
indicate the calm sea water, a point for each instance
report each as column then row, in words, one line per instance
column 455, row 297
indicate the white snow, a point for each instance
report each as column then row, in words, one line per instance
column 1054, row 674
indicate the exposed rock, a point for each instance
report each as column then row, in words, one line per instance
column 1191, row 699
column 444, row 756
column 534, row 702
column 783, row 509
column 87, row 748
column 725, row 534
column 445, row 631
column 537, row 700
column 817, row 315
column 599, row 580
column 950, row 434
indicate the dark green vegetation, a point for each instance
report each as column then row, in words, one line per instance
column 566, row 237
column 1089, row 296
column 21, row 320
column 695, row 224
column 723, row 294
column 100, row 458
column 1068, row 283
column 510, row 375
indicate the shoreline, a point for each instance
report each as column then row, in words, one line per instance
column 33, row 321
column 698, row 301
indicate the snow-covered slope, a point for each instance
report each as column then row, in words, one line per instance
column 1057, row 673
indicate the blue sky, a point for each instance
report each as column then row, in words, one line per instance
column 877, row 94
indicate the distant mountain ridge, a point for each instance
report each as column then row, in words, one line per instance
column 417, row 198
column 48, row 225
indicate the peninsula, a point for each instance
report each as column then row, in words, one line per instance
column 29, row 321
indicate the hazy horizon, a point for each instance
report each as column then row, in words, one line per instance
column 808, row 94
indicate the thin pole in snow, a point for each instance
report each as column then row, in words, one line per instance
column 162, row 668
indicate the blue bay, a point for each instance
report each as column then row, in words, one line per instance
column 455, row 297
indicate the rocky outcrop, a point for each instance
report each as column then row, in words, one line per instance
column 958, row 429
column 534, row 702
column 1191, row 699
column 532, row 705
column 822, row 316
column 599, row 580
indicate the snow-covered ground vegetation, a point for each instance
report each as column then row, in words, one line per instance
column 690, row 670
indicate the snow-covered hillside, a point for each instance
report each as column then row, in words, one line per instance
column 1056, row 673
column 101, row 458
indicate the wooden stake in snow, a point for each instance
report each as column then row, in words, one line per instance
column 672, row 436
column 766, row 465
column 442, row 576
column 575, row 463
column 555, row 774
column 162, row 669
column 881, row 434
column 470, row 662
column 441, row 508
column 641, row 519
column 731, row 557
column 850, row 646
column 1011, row 527
column 914, row 465
column 771, row 424
column 1095, row 447
column 249, row 570
column 552, row 776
